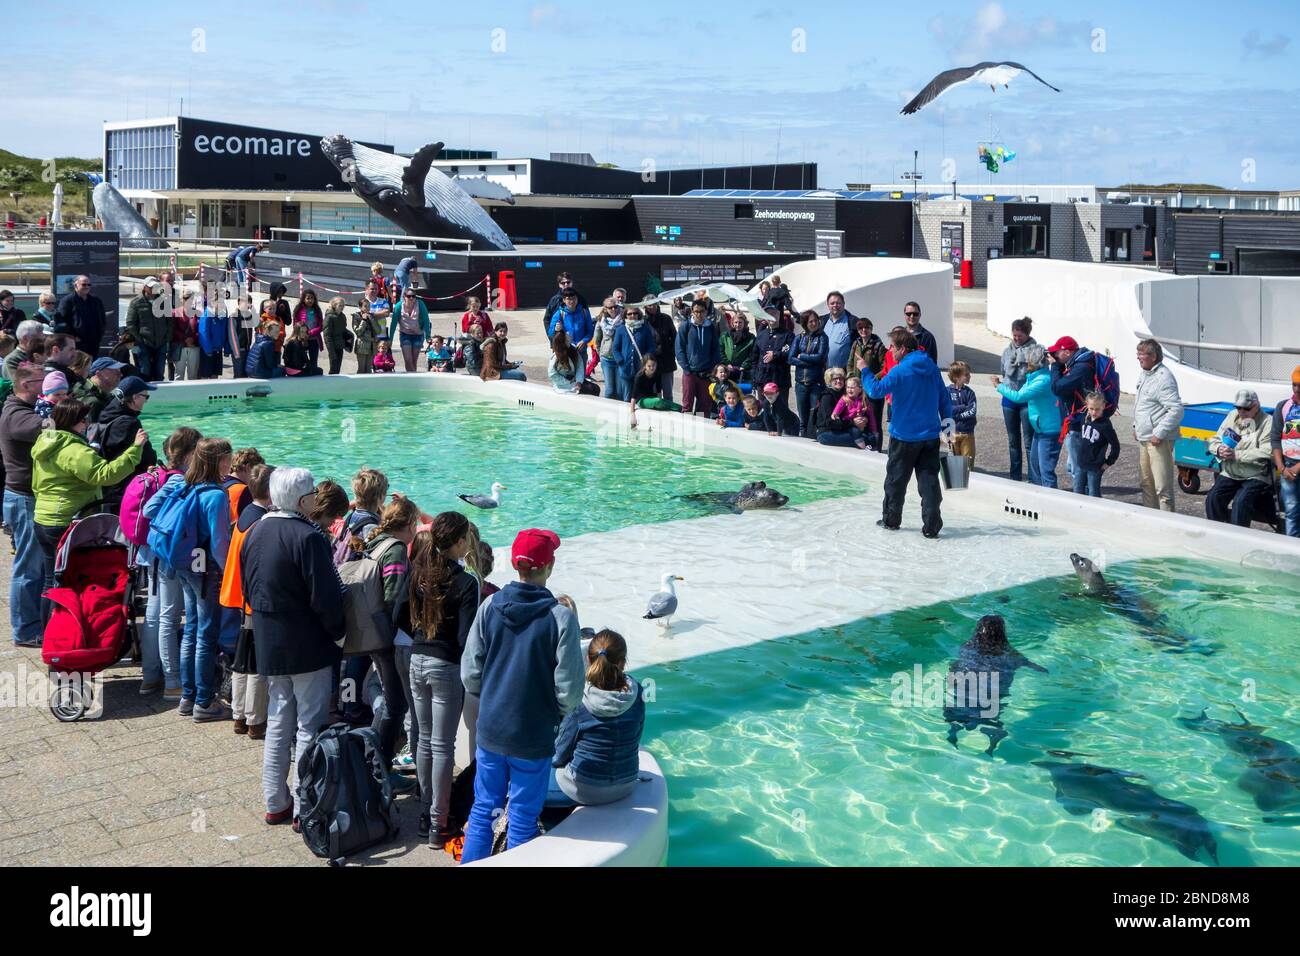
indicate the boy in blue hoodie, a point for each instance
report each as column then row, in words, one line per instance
column 523, row 660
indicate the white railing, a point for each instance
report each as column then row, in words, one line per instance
column 391, row 240
column 1269, row 372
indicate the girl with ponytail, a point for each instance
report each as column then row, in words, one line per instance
column 436, row 610
column 387, row 545
column 597, row 749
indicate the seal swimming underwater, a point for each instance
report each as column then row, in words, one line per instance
column 1083, row 787
column 1272, row 776
column 985, row 665
column 1136, row 608
column 751, row 497
column 410, row 193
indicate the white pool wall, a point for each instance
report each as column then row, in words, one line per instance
column 634, row 832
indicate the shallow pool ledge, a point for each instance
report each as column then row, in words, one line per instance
column 631, row 832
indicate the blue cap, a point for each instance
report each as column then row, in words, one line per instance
column 133, row 385
column 105, row 362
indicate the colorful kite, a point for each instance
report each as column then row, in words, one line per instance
column 993, row 158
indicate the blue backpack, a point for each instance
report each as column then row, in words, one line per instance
column 1106, row 380
column 174, row 530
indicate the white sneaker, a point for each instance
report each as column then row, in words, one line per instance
column 404, row 762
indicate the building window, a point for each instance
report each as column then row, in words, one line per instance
column 1118, row 242
column 1025, row 239
column 744, row 210
column 141, row 157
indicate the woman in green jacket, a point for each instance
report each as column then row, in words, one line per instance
column 367, row 327
column 738, row 349
column 336, row 324
column 68, row 476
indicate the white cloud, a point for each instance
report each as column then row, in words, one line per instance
column 993, row 32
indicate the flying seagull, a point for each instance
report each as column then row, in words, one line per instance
column 986, row 72
column 485, row 501
column 663, row 603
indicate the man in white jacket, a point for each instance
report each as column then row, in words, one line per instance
column 1157, row 414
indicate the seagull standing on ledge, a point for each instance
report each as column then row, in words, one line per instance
column 485, row 501
column 663, row 603
column 994, row 74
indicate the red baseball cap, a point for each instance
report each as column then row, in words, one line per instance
column 533, row 548
column 1064, row 342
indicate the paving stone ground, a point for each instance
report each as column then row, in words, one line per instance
column 143, row 786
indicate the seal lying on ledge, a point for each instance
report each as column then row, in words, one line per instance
column 1136, row 608
column 750, row 497
column 412, row 194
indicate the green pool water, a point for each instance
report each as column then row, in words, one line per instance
column 559, row 473
column 792, row 752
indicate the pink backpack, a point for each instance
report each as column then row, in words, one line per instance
column 135, row 526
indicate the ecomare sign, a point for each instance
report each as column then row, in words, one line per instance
column 253, row 145
column 211, row 155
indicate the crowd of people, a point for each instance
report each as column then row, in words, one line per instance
column 548, row 719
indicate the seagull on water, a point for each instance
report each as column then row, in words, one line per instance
column 485, row 501
column 663, row 603
column 994, row 74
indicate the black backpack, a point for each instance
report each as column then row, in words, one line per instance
column 345, row 800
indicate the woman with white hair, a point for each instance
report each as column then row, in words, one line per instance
column 287, row 571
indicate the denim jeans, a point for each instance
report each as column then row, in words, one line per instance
column 27, row 579
column 350, row 700
column 1072, row 442
column 397, row 691
column 47, row 539
column 153, row 362
column 162, row 625
column 611, row 373
column 439, row 697
column 1288, row 490
column 666, row 382
column 567, row 790
column 1020, row 438
column 841, row 439
column 1087, row 482
column 517, row 785
column 199, row 647
column 297, row 708
column 1047, row 452
column 513, row 375
column 806, row 398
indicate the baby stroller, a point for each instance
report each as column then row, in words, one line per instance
column 92, row 618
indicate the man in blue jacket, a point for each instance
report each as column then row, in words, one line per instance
column 523, row 661
column 921, row 410
column 573, row 317
column 565, row 283
column 699, row 350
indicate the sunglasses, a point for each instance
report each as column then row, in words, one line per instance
column 911, row 315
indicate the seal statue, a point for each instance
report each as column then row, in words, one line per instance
column 1083, row 787
column 411, row 194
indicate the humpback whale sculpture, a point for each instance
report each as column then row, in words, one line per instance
column 118, row 215
column 412, row 194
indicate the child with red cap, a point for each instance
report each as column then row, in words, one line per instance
column 523, row 661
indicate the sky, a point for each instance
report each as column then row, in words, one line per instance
column 1152, row 92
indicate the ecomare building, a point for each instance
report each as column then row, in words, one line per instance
column 205, row 180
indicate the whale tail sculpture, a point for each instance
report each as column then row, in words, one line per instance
column 118, row 215
column 412, row 194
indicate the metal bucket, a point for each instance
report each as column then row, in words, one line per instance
column 955, row 471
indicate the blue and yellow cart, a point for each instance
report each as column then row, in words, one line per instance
column 1191, row 450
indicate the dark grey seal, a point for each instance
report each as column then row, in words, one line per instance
column 1272, row 775
column 1128, row 602
column 751, row 497
column 1083, row 787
